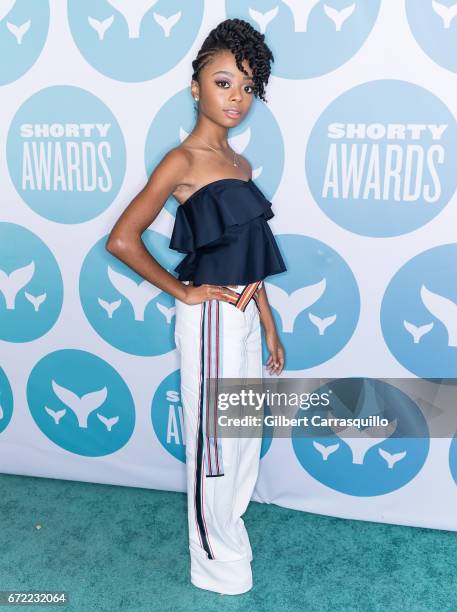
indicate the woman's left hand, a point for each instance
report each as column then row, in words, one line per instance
column 275, row 362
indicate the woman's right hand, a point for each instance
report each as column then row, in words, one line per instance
column 202, row 293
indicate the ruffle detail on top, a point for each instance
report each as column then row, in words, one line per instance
column 211, row 210
column 224, row 231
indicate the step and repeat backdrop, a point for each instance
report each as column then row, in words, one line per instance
column 356, row 148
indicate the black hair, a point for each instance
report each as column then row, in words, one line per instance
column 245, row 42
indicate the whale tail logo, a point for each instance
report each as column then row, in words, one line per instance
column 133, row 13
column 391, row 458
column 300, row 12
column 290, row 306
column 108, row 422
column 361, row 440
column 19, row 31
column 11, row 284
column 101, row 26
column 417, row 331
column 325, row 451
column 447, row 13
column 81, row 406
column 444, row 309
column 263, row 19
column 322, row 324
column 56, row 414
column 168, row 313
column 35, row 300
column 109, row 307
column 139, row 295
column 167, row 23
column 339, row 17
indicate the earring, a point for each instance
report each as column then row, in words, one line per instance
column 196, row 98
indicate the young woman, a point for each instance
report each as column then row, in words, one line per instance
column 221, row 224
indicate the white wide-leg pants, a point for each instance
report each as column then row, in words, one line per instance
column 217, row 340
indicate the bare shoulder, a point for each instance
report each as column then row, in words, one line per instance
column 168, row 173
column 148, row 203
column 175, row 163
column 246, row 165
column 180, row 155
column 163, row 180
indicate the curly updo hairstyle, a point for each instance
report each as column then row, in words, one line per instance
column 245, row 42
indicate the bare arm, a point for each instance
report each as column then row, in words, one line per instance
column 124, row 241
column 266, row 316
column 276, row 360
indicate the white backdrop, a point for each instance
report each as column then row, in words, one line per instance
column 356, row 150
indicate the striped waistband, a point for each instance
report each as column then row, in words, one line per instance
column 246, row 294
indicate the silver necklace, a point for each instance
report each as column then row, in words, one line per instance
column 208, row 145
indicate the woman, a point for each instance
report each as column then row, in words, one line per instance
column 220, row 298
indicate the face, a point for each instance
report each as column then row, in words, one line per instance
column 225, row 93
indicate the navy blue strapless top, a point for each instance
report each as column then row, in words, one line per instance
column 224, row 231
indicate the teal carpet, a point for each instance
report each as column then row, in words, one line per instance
column 118, row 548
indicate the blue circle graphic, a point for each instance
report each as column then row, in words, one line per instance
column 363, row 462
column 168, row 419
column 23, row 33
column 31, row 288
column 134, row 41
column 81, row 403
column 315, row 303
column 167, row 416
column 380, row 158
column 419, row 313
column 434, row 25
column 308, row 39
column 66, row 154
column 125, row 309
